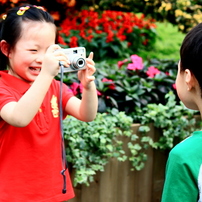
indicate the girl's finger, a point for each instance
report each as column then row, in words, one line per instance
column 90, row 61
column 91, row 69
column 90, row 55
column 53, row 48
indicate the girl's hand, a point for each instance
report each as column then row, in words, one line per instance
column 86, row 76
column 51, row 59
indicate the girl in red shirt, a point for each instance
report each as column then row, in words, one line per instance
column 30, row 133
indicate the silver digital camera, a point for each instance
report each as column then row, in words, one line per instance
column 76, row 57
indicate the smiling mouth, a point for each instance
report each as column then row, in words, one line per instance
column 36, row 69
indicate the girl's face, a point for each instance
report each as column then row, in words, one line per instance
column 25, row 59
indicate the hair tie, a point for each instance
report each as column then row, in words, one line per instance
column 22, row 10
column 4, row 16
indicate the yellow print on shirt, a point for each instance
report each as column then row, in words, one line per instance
column 54, row 106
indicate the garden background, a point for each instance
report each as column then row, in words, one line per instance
column 136, row 50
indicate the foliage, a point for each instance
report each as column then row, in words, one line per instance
column 184, row 13
column 175, row 121
column 135, row 84
column 166, row 46
column 90, row 145
column 108, row 34
column 131, row 91
column 130, row 84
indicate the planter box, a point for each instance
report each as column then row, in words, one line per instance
column 119, row 184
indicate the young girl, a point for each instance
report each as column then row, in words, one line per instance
column 183, row 182
column 30, row 134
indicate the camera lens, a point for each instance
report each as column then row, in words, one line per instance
column 78, row 62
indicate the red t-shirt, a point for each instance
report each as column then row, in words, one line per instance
column 30, row 157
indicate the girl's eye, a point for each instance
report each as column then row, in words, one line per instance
column 33, row 50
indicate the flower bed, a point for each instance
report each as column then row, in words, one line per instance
column 130, row 84
column 109, row 34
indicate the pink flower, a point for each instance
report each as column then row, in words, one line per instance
column 99, row 93
column 174, row 86
column 70, row 90
column 75, row 87
column 152, row 71
column 111, row 83
column 106, row 80
column 81, row 87
column 137, row 63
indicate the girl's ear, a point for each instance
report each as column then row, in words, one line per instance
column 190, row 79
column 4, row 47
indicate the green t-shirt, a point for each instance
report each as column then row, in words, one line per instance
column 183, row 181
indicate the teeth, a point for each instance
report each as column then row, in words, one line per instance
column 35, row 69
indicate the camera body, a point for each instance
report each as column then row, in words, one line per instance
column 76, row 57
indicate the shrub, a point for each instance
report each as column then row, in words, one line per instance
column 130, row 84
column 109, row 34
column 173, row 121
column 91, row 145
column 184, row 13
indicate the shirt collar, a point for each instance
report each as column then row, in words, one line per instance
column 14, row 82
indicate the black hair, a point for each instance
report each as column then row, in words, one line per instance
column 191, row 53
column 11, row 29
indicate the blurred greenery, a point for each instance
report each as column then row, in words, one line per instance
column 183, row 13
column 167, row 44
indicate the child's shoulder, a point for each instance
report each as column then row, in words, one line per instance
column 189, row 147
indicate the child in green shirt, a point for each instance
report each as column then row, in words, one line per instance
column 183, row 179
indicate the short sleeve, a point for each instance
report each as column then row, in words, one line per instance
column 180, row 181
column 6, row 96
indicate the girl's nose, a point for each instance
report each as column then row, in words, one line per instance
column 39, row 58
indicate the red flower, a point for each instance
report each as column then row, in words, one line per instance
column 137, row 63
column 121, row 63
column 73, row 42
column 110, row 36
column 152, row 71
column 129, row 44
column 99, row 31
column 82, row 33
column 111, row 24
column 61, row 40
column 145, row 42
